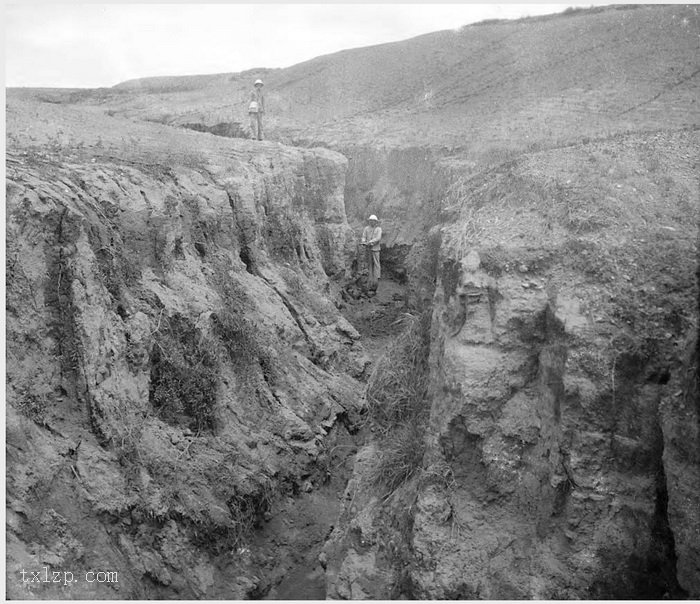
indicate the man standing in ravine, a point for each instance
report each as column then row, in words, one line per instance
column 371, row 237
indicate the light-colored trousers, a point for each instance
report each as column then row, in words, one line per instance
column 256, row 127
column 373, row 266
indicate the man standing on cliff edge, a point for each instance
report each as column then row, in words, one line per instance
column 256, row 108
column 371, row 236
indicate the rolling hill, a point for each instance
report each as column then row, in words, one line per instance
column 504, row 85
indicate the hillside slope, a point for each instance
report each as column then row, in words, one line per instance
column 507, row 84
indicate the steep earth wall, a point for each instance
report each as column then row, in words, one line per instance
column 174, row 357
column 680, row 423
column 561, row 446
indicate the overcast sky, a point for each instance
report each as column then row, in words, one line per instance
column 91, row 45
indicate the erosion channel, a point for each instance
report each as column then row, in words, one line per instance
column 203, row 398
column 185, row 396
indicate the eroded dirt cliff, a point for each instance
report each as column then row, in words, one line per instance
column 181, row 384
column 175, row 362
column 557, row 454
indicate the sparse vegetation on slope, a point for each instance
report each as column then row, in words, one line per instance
column 184, row 376
column 398, row 387
column 398, row 406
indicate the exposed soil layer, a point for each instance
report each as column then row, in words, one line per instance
column 176, row 360
column 564, row 300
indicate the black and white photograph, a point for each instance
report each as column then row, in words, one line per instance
column 351, row 301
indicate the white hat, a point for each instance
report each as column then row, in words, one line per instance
column 258, row 82
column 373, row 217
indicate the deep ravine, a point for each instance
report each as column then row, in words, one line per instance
column 288, row 546
column 185, row 381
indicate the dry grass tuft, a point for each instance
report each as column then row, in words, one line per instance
column 400, row 457
column 397, row 402
column 397, row 388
